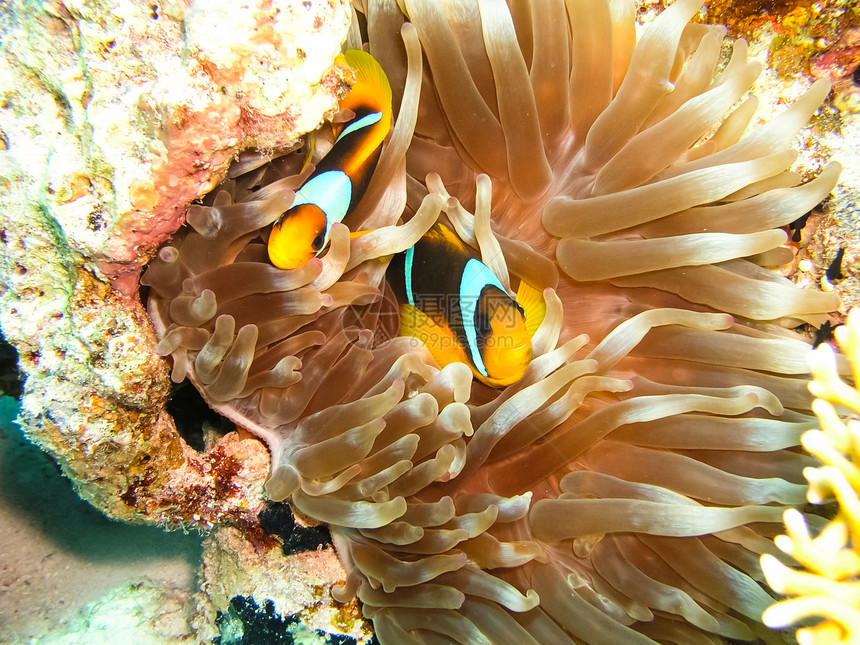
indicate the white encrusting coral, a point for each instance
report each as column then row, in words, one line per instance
column 124, row 112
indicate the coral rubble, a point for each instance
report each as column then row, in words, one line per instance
column 294, row 586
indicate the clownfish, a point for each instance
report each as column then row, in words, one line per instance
column 341, row 178
column 456, row 305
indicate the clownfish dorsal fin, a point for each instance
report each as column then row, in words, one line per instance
column 441, row 233
column 439, row 340
column 309, row 153
column 533, row 304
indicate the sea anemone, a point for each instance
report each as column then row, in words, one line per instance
column 827, row 587
column 625, row 488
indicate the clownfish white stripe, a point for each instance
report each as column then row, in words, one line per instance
column 363, row 122
column 407, row 274
column 331, row 191
column 476, row 276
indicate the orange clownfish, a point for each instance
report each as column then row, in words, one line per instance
column 341, row 178
column 456, row 305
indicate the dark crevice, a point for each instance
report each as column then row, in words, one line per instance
column 278, row 520
column 193, row 416
column 11, row 379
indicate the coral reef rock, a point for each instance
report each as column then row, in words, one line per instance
column 114, row 117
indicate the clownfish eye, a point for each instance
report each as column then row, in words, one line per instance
column 316, row 245
column 482, row 325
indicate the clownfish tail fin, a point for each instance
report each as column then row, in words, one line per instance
column 371, row 85
column 533, row 304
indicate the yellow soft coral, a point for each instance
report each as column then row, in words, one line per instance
column 829, row 587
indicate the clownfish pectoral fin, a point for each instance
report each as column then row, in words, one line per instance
column 533, row 304
column 310, row 144
column 439, row 340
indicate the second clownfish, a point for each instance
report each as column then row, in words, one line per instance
column 456, row 305
column 342, row 176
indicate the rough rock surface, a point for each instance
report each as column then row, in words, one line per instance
column 113, row 117
column 235, row 565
